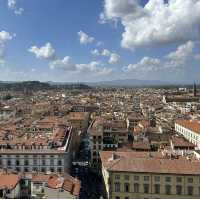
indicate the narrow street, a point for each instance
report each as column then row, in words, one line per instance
column 91, row 183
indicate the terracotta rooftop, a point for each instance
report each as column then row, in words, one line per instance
column 8, row 180
column 141, row 145
column 181, row 142
column 68, row 183
column 147, row 163
column 190, row 124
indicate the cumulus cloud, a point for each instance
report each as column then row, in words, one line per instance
column 145, row 64
column 84, row 38
column 95, row 52
column 156, row 23
column 12, row 5
column 174, row 60
column 4, row 38
column 43, row 52
column 64, row 64
column 106, row 52
column 47, row 52
column 181, row 55
column 113, row 57
column 93, row 67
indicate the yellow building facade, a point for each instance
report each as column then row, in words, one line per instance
column 129, row 184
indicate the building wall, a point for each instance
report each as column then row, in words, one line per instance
column 150, row 180
column 191, row 136
column 36, row 162
column 37, row 188
column 14, row 193
column 58, row 193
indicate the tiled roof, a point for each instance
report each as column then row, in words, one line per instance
column 68, row 183
column 8, row 180
column 181, row 142
column 190, row 124
column 147, row 163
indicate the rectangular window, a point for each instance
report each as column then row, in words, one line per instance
column 126, row 177
column 190, row 190
column 126, row 187
column 117, row 187
column 136, row 187
column 157, row 188
column 59, row 170
column 168, row 179
column 52, row 161
column 178, row 179
column 157, row 178
column 190, row 180
column 136, row 178
column 117, row 177
column 146, row 178
column 146, row 188
column 26, row 162
column 35, row 161
column 43, row 162
column 168, row 189
column 178, row 190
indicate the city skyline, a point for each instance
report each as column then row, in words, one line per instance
column 71, row 41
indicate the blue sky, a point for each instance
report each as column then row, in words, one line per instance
column 95, row 40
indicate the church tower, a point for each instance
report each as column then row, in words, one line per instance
column 195, row 89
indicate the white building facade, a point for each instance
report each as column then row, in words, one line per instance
column 190, row 130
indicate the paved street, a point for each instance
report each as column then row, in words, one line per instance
column 91, row 183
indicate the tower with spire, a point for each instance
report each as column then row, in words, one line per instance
column 195, row 89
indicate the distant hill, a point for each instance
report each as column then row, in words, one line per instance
column 37, row 85
column 129, row 83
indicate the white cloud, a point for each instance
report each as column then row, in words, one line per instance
column 4, row 37
column 156, row 23
column 12, row 5
column 181, row 55
column 64, row 64
column 116, row 9
column 106, row 52
column 174, row 60
column 95, row 52
column 114, row 58
column 47, row 52
column 44, row 52
column 93, row 68
column 84, row 38
column 145, row 64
